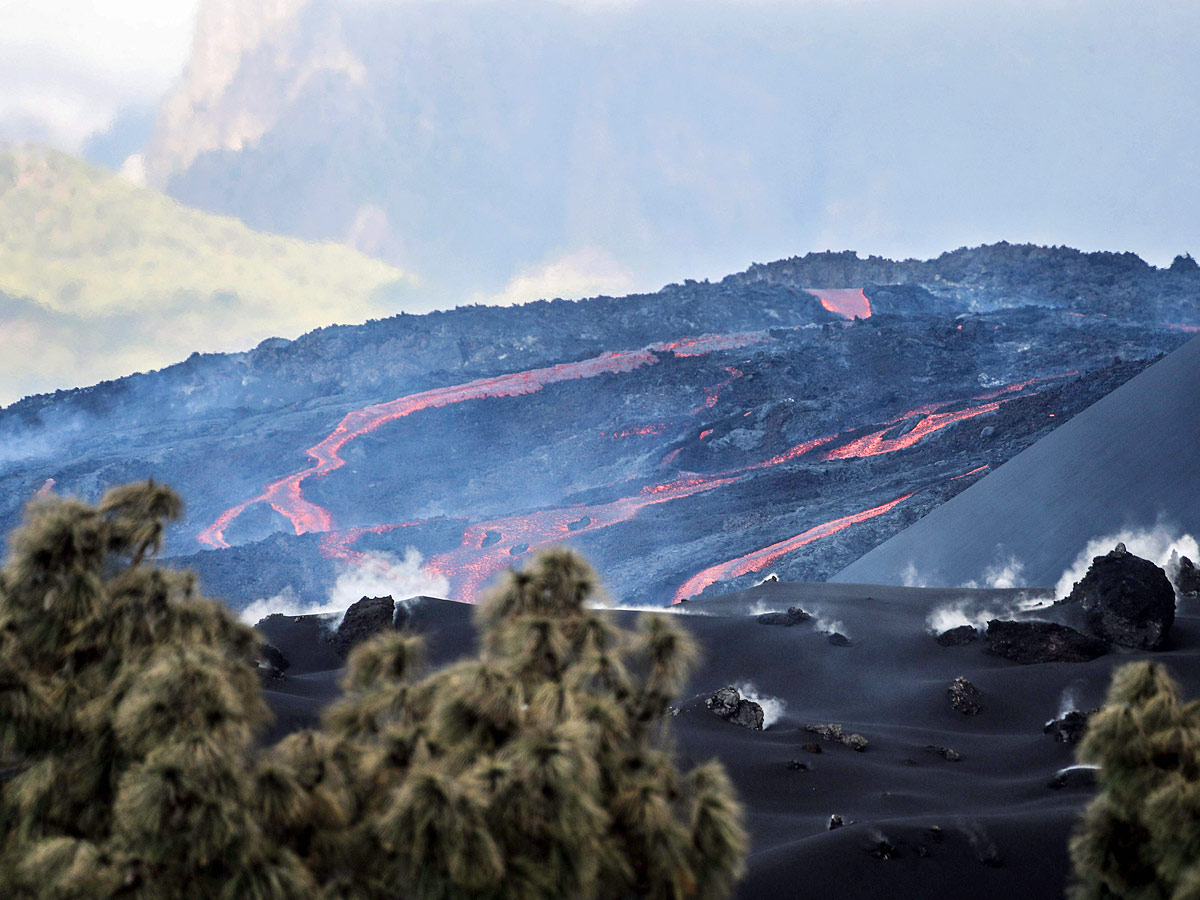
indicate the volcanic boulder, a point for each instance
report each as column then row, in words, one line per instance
column 1187, row 578
column 964, row 697
column 835, row 734
column 1126, row 600
column 1071, row 728
column 1041, row 642
column 363, row 619
column 957, row 637
column 271, row 663
column 728, row 704
column 794, row 616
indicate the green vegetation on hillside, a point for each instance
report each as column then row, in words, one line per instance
column 103, row 277
column 129, row 767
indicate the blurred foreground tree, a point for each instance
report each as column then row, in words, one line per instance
column 128, row 713
column 129, row 708
column 540, row 769
column 1140, row 838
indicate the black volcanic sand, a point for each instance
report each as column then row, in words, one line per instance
column 1003, row 830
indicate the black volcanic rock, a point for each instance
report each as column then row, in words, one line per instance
column 728, row 704
column 1187, row 578
column 794, row 616
column 957, row 637
column 1126, row 600
column 1073, row 777
column 1041, row 642
column 964, row 697
column 1185, row 264
column 834, row 733
column 363, row 619
column 1071, row 728
column 838, row 639
column 271, row 663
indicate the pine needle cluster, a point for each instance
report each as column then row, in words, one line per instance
column 1140, row 838
column 130, row 766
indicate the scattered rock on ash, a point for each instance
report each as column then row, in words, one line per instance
column 958, row 637
column 1126, row 600
column 363, row 620
column 810, row 747
column 1187, row 578
column 838, row 639
column 834, row 733
column 1071, row 728
column 835, row 821
column 945, row 753
column 883, row 849
column 729, row 705
column 1042, row 642
column 964, row 697
column 271, row 663
column 794, row 616
column 796, row 766
column 1073, row 777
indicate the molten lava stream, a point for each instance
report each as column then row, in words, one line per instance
column 47, row 487
column 285, row 495
column 471, row 565
column 968, row 474
column 849, row 302
column 760, row 559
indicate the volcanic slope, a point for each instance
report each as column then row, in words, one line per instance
column 986, row 825
column 687, row 441
column 1127, row 466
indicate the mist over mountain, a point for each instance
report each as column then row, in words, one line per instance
column 537, row 149
column 787, row 418
column 100, row 278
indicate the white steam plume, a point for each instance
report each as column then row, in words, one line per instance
column 772, row 707
column 379, row 575
column 1155, row 544
column 976, row 613
column 1001, row 575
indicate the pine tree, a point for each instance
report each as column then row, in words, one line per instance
column 540, row 769
column 129, row 708
column 130, row 768
column 1140, row 838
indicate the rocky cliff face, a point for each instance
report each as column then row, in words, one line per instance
column 249, row 63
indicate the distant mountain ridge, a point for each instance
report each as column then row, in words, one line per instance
column 99, row 278
column 591, row 147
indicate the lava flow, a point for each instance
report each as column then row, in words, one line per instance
column 760, row 559
column 47, row 487
column 286, row 498
column 849, row 302
column 489, row 547
column 968, row 474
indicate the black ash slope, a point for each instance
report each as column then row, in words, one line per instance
column 918, row 825
column 1130, row 462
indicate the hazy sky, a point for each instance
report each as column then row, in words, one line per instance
column 67, row 66
column 719, row 132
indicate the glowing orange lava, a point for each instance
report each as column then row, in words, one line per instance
column 849, row 302
column 471, row 565
column 972, row 472
column 286, row 498
column 639, row 430
column 47, row 487
column 760, row 559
